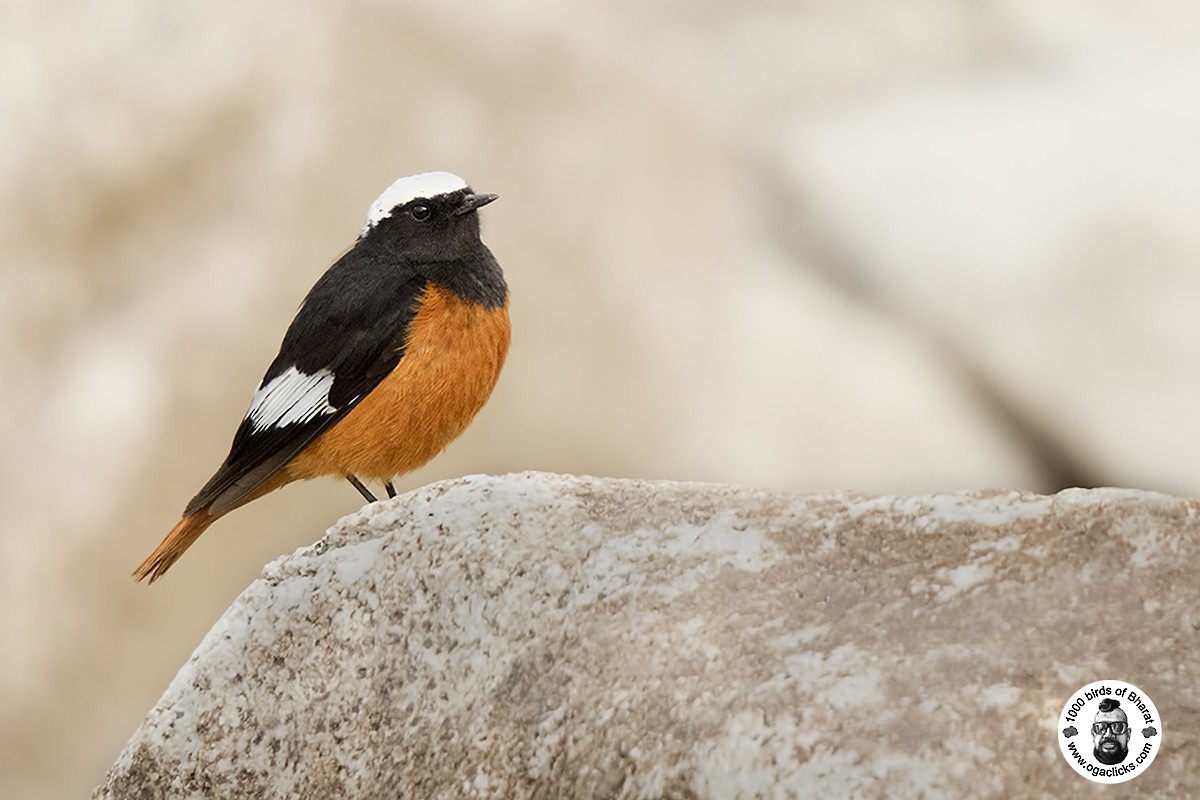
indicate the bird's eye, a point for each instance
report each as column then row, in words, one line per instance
column 419, row 213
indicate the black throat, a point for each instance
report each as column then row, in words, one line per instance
column 476, row 277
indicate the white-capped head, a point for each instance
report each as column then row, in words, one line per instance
column 407, row 189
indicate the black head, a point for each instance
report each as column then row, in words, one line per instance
column 428, row 223
column 428, row 217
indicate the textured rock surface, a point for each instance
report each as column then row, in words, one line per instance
column 548, row 636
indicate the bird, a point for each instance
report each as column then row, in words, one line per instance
column 390, row 356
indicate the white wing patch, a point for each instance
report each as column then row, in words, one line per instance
column 290, row 398
column 426, row 184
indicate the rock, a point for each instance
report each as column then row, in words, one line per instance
column 539, row 635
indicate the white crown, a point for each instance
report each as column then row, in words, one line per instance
column 426, row 184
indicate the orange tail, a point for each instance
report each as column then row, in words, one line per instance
column 173, row 545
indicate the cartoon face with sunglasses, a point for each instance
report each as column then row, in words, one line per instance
column 1110, row 733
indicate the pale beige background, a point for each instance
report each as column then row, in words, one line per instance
column 809, row 245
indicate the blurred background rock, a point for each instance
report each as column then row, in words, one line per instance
column 810, row 245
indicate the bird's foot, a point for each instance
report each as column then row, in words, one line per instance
column 357, row 484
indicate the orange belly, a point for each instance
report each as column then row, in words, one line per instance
column 451, row 363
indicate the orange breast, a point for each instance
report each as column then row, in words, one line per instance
column 451, row 363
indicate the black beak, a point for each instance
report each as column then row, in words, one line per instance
column 473, row 202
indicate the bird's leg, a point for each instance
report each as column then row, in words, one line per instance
column 357, row 484
column 391, row 490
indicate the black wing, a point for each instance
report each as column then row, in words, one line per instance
column 349, row 334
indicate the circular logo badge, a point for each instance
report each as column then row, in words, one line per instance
column 1109, row 731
